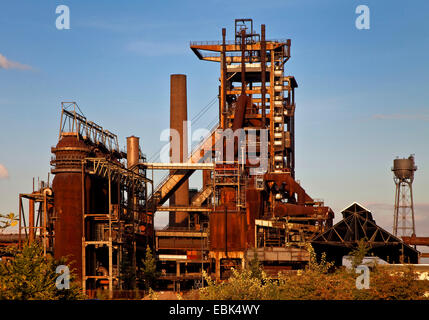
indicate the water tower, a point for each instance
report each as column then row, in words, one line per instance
column 403, row 220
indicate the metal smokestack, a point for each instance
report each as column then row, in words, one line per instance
column 178, row 115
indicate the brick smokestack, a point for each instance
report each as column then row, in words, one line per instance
column 179, row 114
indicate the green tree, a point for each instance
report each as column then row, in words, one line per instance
column 31, row 276
column 359, row 252
column 255, row 266
column 148, row 271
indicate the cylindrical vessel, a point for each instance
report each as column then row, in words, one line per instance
column 132, row 151
column 178, row 118
column 67, row 188
column 404, row 168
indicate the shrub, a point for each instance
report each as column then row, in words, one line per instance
column 318, row 281
column 31, row 276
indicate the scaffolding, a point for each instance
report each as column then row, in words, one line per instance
column 40, row 225
column 116, row 229
column 271, row 92
column 229, row 175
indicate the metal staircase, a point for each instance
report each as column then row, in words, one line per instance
column 176, row 178
column 201, row 196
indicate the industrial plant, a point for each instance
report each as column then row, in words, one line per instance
column 100, row 206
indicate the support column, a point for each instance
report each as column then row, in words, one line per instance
column 31, row 221
column 177, row 269
column 217, row 268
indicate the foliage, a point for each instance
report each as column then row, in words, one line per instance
column 319, row 267
column 148, row 272
column 240, row 286
column 359, row 252
column 255, row 266
column 152, row 295
column 7, row 220
column 31, row 276
column 318, row 281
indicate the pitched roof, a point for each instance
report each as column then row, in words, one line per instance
column 357, row 204
column 357, row 208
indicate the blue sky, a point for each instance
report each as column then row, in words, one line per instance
column 362, row 98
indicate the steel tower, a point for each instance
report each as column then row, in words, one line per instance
column 403, row 220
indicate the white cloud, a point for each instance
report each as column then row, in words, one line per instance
column 8, row 64
column 3, row 172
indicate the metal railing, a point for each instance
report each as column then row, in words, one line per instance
column 72, row 121
column 228, row 42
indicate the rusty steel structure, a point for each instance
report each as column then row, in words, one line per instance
column 99, row 210
column 100, row 216
column 403, row 218
column 243, row 212
column 40, row 222
column 403, row 222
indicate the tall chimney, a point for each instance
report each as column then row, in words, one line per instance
column 133, row 155
column 132, row 151
column 178, row 115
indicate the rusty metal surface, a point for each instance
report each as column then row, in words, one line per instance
column 178, row 116
column 417, row 241
column 227, row 231
column 133, row 148
column 181, row 243
column 280, row 254
column 284, row 182
column 251, row 81
column 67, row 188
column 254, row 209
column 68, row 206
column 31, row 220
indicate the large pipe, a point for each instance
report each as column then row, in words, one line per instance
column 243, row 63
column 416, row 241
column 263, row 74
column 178, row 118
column 223, row 82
